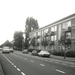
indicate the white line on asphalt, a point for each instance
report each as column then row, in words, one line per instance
column 25, row 58
column 18, row 69
column 32, row 61
column 42, row 65
column 57, row 62
column 14, row 66
column 72, row 66
column 60, row 71
column 64, row 64
column 22, row 73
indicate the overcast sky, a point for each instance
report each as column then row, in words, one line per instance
column 13, row 14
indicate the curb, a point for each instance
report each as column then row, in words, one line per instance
column 1, row 70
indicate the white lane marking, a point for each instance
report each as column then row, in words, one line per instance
column 64, row 64
column 18, row 69
column 22, row 73
column 60, row 71
column 12, row 63
column 57, row 62
column 72, row 66
column 25, row 58
column 14, row 66
column 42, row 64
column 32, row 61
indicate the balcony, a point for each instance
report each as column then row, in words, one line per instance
column 68, row 30
column 47, row 34
column 51, row 42
column 38, row 37
column 52, row 33
column 68, row 41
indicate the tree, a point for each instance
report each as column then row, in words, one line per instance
column 31, row 24
column 44, row 42
column 18, row 39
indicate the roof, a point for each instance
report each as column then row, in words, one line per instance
column 55, row 22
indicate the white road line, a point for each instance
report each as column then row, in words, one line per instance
column 42, row 64
column 64, row 64
column 32, row 61
column 60, row 71
column 18, row 69
column 12, row 63
column 14, row 66
column 25, row 58
column 57, row 62
column 22, row 73
column 72, row 66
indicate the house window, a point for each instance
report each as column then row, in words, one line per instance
column 55, row 28
column 52, row 29
column 66, row 25
column 59, row 31
column 52, row 38
column 68, row 35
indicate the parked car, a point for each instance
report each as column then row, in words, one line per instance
column 34, row 52
column 25, row 51
column 5, row 49
column 11, row 50
column 44, row 53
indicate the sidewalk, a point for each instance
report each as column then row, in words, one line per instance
column 71, row 59
column 1, row 71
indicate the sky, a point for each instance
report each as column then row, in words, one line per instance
column 13, row 14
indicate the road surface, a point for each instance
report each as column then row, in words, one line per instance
column 25, row 64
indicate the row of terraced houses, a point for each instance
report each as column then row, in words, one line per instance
column 52, row 33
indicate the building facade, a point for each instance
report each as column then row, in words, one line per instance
column 52, row 34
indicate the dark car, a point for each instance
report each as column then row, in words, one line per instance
column 34, row 52
column 25, row 51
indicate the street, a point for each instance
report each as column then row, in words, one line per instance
column 25, row 64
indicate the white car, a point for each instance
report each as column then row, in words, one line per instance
column 44, row 53
column 5, row 49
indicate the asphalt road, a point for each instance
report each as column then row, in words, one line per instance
column 25, row 64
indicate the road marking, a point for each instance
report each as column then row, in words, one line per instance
column 32, row 61
column 42, row 65
column 18, row 69
column 57, row 62
column 72, row 66
column 64, row 64
column 14, row 66
column 22, row 73
column 25, row 58
column 60, row 71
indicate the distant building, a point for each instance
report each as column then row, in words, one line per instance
column 52, row 33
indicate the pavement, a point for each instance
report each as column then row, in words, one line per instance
column 69, row 59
